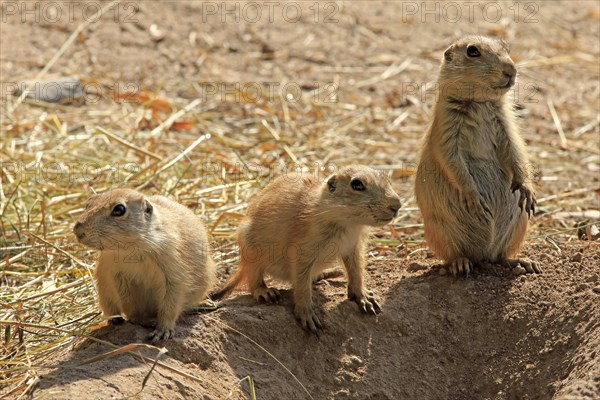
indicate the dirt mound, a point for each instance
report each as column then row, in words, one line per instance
column 492, row 336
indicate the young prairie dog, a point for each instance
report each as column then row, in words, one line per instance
column 154, row 258
column 296, row 227
column 473, row 181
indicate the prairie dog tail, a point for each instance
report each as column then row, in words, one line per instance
column 231, row 284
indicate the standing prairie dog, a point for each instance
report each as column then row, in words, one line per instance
column 296, row 227
column 473, row 181
column 154, row 259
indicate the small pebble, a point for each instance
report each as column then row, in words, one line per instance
column 156, row 33
column 582, row 286
column 577, row 257
column 415, row 266
column 354, row 361
column 60, row 90
column 595, row 232
column 592, row 279
column 596, row 289
column 518, row 270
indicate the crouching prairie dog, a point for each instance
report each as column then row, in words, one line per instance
column 472, row 184
column 154, row 258
column 296, row 227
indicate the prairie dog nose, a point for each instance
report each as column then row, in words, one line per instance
column 509, row 69
column 395, row 205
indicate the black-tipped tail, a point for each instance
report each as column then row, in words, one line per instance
column 231, row 284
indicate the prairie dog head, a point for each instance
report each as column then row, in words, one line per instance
column 477, row 68
column 361, row 195
column 114, row 218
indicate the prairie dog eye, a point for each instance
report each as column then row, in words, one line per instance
column 118, row 210
column 358, row 185
column 473, row 51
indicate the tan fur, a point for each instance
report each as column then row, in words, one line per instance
column 472, row 182
column 296, row 227
column 154, row 260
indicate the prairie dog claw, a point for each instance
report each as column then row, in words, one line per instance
column 309, row 320
column 527, row 198
column 461, row 266
column 366, row 301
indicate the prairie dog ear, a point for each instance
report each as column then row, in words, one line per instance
column 90, row 199
column 331, row 183
column 148, row 207
column 448, row 53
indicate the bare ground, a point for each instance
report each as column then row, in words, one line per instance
column 492, row 336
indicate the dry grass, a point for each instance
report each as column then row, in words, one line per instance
column 212, row 157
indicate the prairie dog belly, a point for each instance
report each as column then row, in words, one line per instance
column 494, row 186
column 139, row 285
